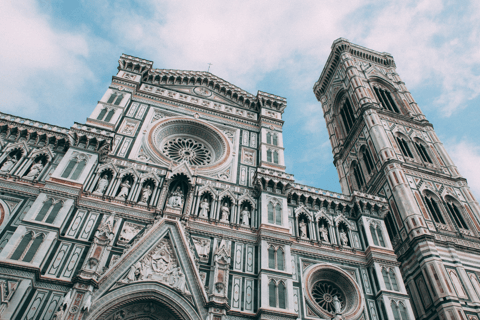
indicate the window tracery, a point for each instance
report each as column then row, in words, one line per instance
column 377, row 235
column 433, row 208
column 75, row 167
column 404, row 147
column 49, row 211
column 277, row 294
column 390, row 279
column 276, row 257
column 422, row 151
column 385, row 97
column 456, row 213
column 274, row 213
column 28, row 247
column 347, row 114
column 399, row 310
column 358, row 174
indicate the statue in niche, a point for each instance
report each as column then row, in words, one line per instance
column 225, row 210
column 324, row 233
column 146, row 193
column 102, row 185
column 203, row 247
column 59, row 314
column 8, row 165
column 35, row 170
column 344, row 238
column 337, row 305
column 106, row 228
column 303, row 229
column 176, row 198
column 125, row 189
column 204, row 208
column 245, row 216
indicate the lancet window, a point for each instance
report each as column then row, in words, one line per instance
column 386, row 99
column 276, row 294
column 402, row 142
column 276, row 258
column 359, row 179
column 377, row 235
column 115, row 98
column 392, row 231
column 274, row 213
column 399, row 311
column 422, row 151
column 74, row 167
column 456, row 214
column 367, row 159
column 348, row 117
column 28, row 247
column 434, row 209
column 390, row 279
column 272, row 138
column 49, row 210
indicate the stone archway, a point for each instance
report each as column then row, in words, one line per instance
column 145, row 301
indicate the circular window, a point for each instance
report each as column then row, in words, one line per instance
column 185, row 149
column 328, row 288
column 190, row 141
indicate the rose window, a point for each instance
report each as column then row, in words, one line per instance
column 188, row 150
column 324, row 293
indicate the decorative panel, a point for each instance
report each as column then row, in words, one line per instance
column 59, row 259
column 253, row 140
column 251, row 173
column 22, row 213
column 366, row 281
column 141, row 111
column 52, row 306
column 124, row 149
column 249, row 260
column 373, row 310
column 5, row 239
column 133, row 108
column 35, row 304
column 72, row 262
column 236, row 292
column 294, row 267
column 243, row 176
column 116, row 143
column 238, row 264
column 296, row 301
column 88, row 227
column 248, row 295
column 75, row 225
column 245, row 138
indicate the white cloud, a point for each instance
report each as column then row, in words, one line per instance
column 466, row 156
column 40, row 66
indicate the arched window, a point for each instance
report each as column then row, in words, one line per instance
column 367, row 159
column 280, row 259
column 377, row 235
column 403, row 311
column 78, row 170
column 386, row 279
column 119, row 99
column 358, row 175
column 109, row 115
column 33, row 248
column 275, row 140
column 271, row 258
column 373, row 232
column 348, row 117
column 269, row 138
column 272, row 294
column 385, row 97
column 53, row 214
column 275, row 156
column 102, row 113
column 278, row 214
column 74, row 168
column 434, row 209
column 380, row 237
column 456, row 214
column 269, row 155
column 69, row 168
column 393, row 280
column 422, row 151
column 22, row 246
column 404, row 147
column 43, row 211
column 281, row 295
column 270, row 213
column 392, row 231
column 112, row 97
column 396, row 314
column 390, row 279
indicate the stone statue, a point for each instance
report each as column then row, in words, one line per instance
column 204, row 207
column 344, row 238
column 303, row 229
column 203, row 247
column 225, row 212
column 125, row 189
column 176, row 198
column 337, row 305
column 146, row 193
column 88, row 302
column 102, row 185
column 106, row 228
column 8, row 165
column 324, row 233
column 245, row 216
column 34, row 171
column 59, row 314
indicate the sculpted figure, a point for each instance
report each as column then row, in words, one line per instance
column 59, row 314
column 136, row 272
column 125, row 189
column 8, row 165
column 225, row 212
column 344, row 238
column 303, row 229
column 146, row 192
column 337, row 304
column 102, row 185
column 245, row 216
column 324, row 233
column 34, row 170
column 203, row 247
column 204, row 208
column 176, row 199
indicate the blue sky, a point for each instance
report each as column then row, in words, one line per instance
column 57, row 59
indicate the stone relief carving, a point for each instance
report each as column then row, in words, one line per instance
column 159, row 265
column 176, row 199
column 202, row 245
column 129, row 231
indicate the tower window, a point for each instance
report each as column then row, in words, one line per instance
column 392, row 232
column 399, row 311
column 275, row 157
column 368, row 160
column 457, row 216
column 422, row 151
column 347, row 115
column 112, row 97
column 269, row 138
column 119, row 99
column 390, row 279
column 102, row 113
column 434, row 209
column 28, row 247
column 269, row 155
column 377, row 235
column 404, row 147
column 385, row 97
column 275, row 258
column 276, row 294
column 109, row 115
column 358, row 175
column 275, row 140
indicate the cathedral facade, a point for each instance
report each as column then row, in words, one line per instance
column 172, row 201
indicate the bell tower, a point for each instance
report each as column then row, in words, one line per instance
column 383, row 145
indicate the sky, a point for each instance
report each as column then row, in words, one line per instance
column 57, row 59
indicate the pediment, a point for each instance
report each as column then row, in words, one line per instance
column 160, row 258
